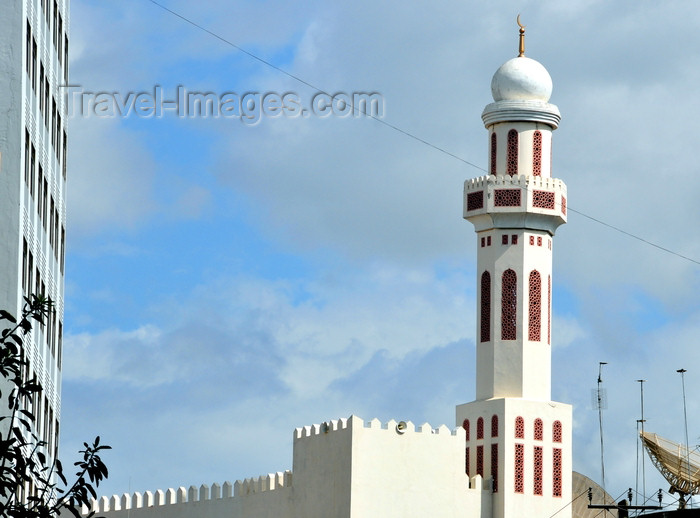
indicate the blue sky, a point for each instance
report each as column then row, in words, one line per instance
column 228, row 282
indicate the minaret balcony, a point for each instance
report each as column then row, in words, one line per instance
column 528, row 202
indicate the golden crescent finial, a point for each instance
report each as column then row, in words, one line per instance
column 521, row 46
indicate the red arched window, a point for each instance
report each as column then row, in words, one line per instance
column 485, row 307
column 538, row 429
column 493, row 153
column 556, row 431
column 480, row 428
column 537, row 154
column 538, row 470
column 494, row 466
column 465, row 425
column 494, row 425
column 512, row 155
column 519, row 468
column 509, row 305
column 519, row 428
column 535, row 308
column 556, row 472
column 480, row 460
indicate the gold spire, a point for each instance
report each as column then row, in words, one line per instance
column 521, row 47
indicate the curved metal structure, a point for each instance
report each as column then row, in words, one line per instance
column 680, row 467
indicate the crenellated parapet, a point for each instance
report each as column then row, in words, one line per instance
column 191, row 495
column 519, row 201
column 268, row 482
column 355, row 423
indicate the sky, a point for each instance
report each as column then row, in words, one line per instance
column 230, row 278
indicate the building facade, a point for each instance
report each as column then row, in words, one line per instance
column 510, row 454
column 34, row 40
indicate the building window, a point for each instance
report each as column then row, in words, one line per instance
column 65, row 148
column 539, row 240
column 537, row 154
column 535, row 307
column 538, row 470
column 483, row 242
column 480, row 460
column 563, row 205
column 556, row 472
column 46, row 101
column 538, row 429
column 44, row 202
column 532, row 240
column 512, row 160
column 504, row 239
column 59, row 348
column 28, row 51
column 32, row 168
column 519, row 428
column 556, row 431
column 494, row 466
column 543, row 199
column 59, row 39
column 488, row 240
column 42, row 75
column 465, row 425
column 53, row 122
column 493, row 154
column 514, row 239
column 506, row 197
column 24, row 265
column 34, row 55
column 475, row 200
column 65, row 61
column 480, row 428
column 27, row 144
column 63, row 248
column 494, row 425
column 509, row 305
column 519, row 468
column 485, row 307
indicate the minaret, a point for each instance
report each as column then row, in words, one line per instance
column 516, row 436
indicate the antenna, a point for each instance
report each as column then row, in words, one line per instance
column 685, row 417
column 642, row 421
column 600, row 398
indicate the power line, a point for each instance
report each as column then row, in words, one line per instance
column 310, row 85
column 400, row 130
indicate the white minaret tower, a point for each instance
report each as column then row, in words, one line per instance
column 516, row 436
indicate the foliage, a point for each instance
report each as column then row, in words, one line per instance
column 24, row 459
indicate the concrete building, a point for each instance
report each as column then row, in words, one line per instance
column 510, row 454
column 33, row 64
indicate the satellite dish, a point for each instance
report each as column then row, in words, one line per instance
column 680, row 467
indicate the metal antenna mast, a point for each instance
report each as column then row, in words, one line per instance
column 685, row 417
column 600, row 421
column 644, row 478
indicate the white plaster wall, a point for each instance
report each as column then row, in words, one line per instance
column 345, row 468
column 417, row 473
column 506, row 502
column 322, row 469
column 526, row 131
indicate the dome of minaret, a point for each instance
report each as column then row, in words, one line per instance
column 521, row 79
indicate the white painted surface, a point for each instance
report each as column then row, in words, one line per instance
column 521, row 79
